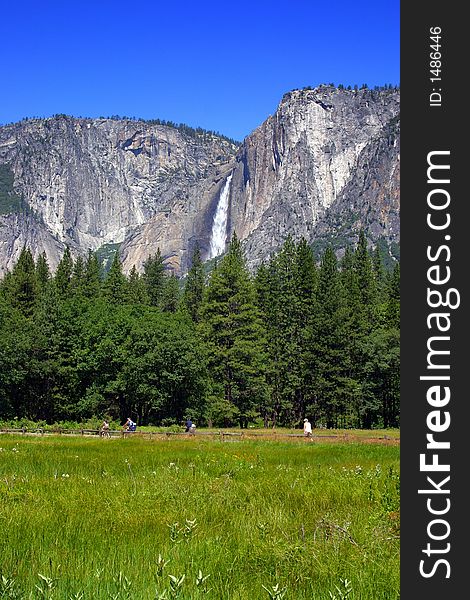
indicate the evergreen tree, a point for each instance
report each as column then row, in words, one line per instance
column 369, row 320
column 77, row 280
column 307, row 279
column 194, row 286
column 379, row 272
column 366, row 280
column 63, row 274
column 136, row 287
column 5, row 285
column 170, row 299
column 234, row 336
column 381, row 351
column 56, row 387
column 326, row 350
column 286, row 290
column 262, row 283
column 16, row 349
column 43, row 272
column 295, row 340
column 284, row 334
column 154, row 273
column 356, row 327
column 22, row 289
column 393, row 298
column 381, row 387
column 278, row 405
column 115, row 289
column 92, row 276
column 350, row 281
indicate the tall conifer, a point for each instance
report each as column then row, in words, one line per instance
column 115, row 288
column 22, row 287
column 136, row 287
column 234, row 336
column 154, row 273
column 92, row 276
column 194, row 286
column 63, row 274
column 43, row 272
column 327, row 344
column 170, row 299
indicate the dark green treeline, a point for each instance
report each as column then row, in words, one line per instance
column 297, row 338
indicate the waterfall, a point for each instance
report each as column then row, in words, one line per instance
column 219, row 224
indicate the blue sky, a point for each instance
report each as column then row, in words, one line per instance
column 219, row 65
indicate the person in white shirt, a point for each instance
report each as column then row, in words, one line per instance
column 104, row 432
column 307, row 428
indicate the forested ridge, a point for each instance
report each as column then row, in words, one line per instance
column 296, row 338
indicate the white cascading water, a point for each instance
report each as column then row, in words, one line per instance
column 219, row 224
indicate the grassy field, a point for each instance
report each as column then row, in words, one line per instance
column 190, row 518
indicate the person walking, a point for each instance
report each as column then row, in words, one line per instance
column 307, row 428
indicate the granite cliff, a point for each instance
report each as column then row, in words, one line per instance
column 323, row 166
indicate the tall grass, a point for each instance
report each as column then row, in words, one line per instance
column 197, row 518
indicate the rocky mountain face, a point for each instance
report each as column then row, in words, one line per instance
column 317, row 168
column 323, row 166
column 371, row 198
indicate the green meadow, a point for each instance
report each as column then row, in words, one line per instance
column 192, row 518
